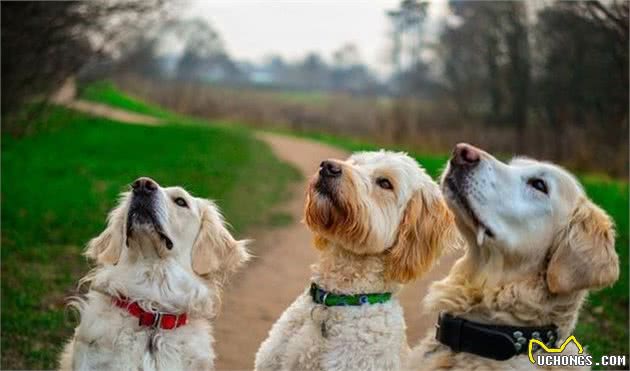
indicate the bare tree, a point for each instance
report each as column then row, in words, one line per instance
column 407, row 24
column 45, row 42
column 203, row 49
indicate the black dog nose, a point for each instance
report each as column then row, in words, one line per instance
column 144, row 185
column 329, row 169
column 465, row 155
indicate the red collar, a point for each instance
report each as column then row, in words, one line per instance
column 161, row 320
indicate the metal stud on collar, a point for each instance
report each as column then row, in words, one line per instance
column 536, row 348
column 518, row 346
column 536, row 335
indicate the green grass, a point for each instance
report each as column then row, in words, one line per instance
column 59, row 182
column 603, row 324
column 107, row 93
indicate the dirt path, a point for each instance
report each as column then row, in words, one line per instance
column 66, row 96
column 281, row 270
column 102, row 110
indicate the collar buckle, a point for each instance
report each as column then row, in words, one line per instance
column 157, row 317
column 324, row 298
column 153, row 320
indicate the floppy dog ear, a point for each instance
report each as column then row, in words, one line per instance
column 215, row 250
column 584, row 255
column 107, row 247
column 426, row 227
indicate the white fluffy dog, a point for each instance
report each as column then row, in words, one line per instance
column 160, row 263
column 536, row 244
column 379, row 220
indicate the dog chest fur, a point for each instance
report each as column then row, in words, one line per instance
column 360, row 337
column 109, row 338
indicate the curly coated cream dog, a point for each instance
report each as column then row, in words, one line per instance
column 160, row 264
column 379, row 221
column 536, row 244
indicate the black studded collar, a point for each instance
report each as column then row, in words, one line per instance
column 497, row 342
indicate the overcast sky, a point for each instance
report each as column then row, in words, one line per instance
column 253, row 30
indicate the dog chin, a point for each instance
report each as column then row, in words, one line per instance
column 324, row 213
column 325, row 202
column 465, row 212
column 141, row 229
column 323, row 191
column 141, row 232
column 321, row 194
column 459, row 211
column 320, row 211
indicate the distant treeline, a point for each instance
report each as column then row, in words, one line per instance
column 430, row 127
column 204, row 58
column 549, row 79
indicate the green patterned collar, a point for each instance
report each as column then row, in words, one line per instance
column 321, row 296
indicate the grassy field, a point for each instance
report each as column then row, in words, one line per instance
column 603, row 325
column 59, row 182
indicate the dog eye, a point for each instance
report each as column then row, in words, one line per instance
column 180, row 202
column 384, row 183
column 539, row 184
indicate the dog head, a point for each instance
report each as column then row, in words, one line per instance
column 152, row 222
column 529, row 211
column 380, row 203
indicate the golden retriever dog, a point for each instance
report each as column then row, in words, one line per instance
column 535, row 245
column 160, row 265
column 378, row 221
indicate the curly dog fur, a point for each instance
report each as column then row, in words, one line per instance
column 379, row 221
